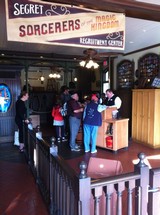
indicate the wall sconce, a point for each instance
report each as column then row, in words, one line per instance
column 89, row 64
column 75, row 79
column 42, row 79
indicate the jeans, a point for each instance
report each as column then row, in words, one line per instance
column 90, row 137
column 74, row 124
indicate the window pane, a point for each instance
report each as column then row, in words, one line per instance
column 105, row 86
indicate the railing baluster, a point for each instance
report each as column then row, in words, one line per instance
column 130, row 185
column 108, row 203
column 120, row 187
column 119, row 203
column 63, row 194
column 129, row 208
column 97, row 194
column 51, row 208
column 68, row 199
column 110, row 196
column 60, row 192
column 96, row 208
column 72, row 207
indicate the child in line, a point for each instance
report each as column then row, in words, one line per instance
column 58, row 122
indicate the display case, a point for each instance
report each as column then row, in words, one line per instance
column 125, row 74
column 148, row 69
column 113, row 134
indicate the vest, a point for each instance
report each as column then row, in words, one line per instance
column 92, row 116
column 111, row 101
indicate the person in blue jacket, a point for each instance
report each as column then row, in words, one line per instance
column 92, row 119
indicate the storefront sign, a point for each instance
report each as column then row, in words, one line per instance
column 57, row 24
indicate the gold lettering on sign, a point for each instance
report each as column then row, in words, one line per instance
column 104, row 22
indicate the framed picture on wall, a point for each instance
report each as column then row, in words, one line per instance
column 5, row 98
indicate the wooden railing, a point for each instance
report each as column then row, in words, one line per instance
column 154, row 192
column 67, row 193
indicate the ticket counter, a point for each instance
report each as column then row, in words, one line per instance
column 113, row 134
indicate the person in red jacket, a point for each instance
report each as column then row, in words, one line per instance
column 58, row 122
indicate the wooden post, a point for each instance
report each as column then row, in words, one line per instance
column 142, row 185
column 26, row 76
column 154, row 192
column 84, row 191
column 53, row 152
column 53, row 148
column 38, row 132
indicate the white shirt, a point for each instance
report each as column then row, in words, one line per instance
column 118, row 102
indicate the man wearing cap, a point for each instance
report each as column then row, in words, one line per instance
column 92, row 120
column 75, row 112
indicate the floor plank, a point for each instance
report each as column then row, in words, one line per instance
column 19, row 193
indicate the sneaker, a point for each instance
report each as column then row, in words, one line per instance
column 21, row 150
column 86, row 151
column 95, row 151
column 77, row 147
column 64, row 139
column 58, row 139
column 75, row 150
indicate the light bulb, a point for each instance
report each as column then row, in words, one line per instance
column 51, row 75
column 58, row 75
column 42, row 78
column 82, row 63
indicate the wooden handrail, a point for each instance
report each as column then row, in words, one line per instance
column 69, row 193
column 114, row 179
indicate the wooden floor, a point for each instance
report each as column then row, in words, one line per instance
column 126, row 157
column 19, row 193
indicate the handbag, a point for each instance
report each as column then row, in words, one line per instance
column 16, row 138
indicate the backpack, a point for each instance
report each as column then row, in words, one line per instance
column 64, row 109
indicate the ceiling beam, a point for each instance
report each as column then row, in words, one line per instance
column 130, row 8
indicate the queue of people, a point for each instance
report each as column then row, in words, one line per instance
column 88, row 113
column 68, row 115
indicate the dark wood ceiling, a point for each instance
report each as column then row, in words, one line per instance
column 130, row 8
